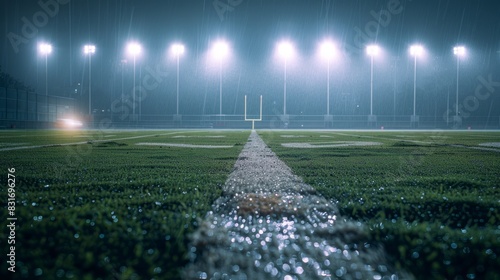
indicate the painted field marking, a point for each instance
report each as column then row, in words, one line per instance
column 292, row 136
column 423, row 142
column 12, row 144
column 180, row 145
column 86, row 136
column 384, row 138
column 270, row 224
column 491, row 144
column 84, row 142
column 206, row 136
column 336, row 144
column 477, row 148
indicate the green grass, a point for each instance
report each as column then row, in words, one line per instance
column 434, row 207
column 111, row 209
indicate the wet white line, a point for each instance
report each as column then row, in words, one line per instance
column 270, row 224
column 477, row 148
column 336, row 144
column 424, row 142
column 180, row 145
column 384, row 138
column 83, row 142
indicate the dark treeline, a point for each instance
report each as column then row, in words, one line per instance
column 7, row 81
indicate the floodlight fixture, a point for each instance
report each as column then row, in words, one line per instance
column 328, row 50
column 89, row 49
column 372, row 50
column 285, row 49
column 45, row 48
column 178, row 49
column 416, row 50
column 220, row 49
column 134, row 48
column 459, row 51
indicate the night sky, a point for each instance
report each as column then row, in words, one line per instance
column 253, row 29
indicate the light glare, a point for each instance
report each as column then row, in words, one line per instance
column 134, row 48
column 89, row 49
column 372, row 50
column 178, row 49
column 459, row 51
column 327, row 50
column 220, row 49
column 285, row 49
column 69, row 123
column 416, row 50
column 45, row 48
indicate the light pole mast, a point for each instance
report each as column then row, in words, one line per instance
column 134, row 49
column 371, row 88
column 284, row 91
column 459, row 52
column 220, row 87
column 285, row 50
column 415, row 87
column 177, row 85
column 90, row 50
column 328, row 88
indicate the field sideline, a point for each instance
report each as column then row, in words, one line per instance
column 100, row 204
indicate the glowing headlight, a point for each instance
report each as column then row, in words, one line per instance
column 71, row 123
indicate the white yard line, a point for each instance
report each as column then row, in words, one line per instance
column 384, row 138
column 270, row 224
column 423, row 142
column 206, row 136
column 336, row 144
column 477, row 148
column 84, row 142
column 491, row 144
column 180, row 145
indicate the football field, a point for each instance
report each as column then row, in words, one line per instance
column 94, row 204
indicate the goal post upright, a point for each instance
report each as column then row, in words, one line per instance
column 253, row 120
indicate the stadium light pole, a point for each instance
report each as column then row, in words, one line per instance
column 285, row 50
column 220, row 50
column 327, row 51
column 134, row 49
column 122, row 64
column 45, row 49
column 415, row 50
column 178, row 50
column 372, row 51
column 90, row 50
column 459, row 52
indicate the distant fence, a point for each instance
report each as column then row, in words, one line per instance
column 107, row 120
column 23, row 109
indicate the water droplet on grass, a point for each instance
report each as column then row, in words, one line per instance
column 38, row 272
